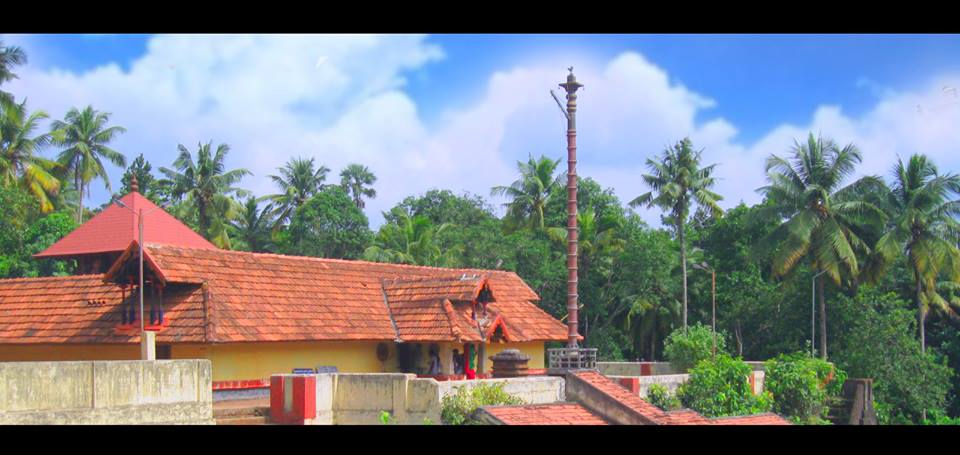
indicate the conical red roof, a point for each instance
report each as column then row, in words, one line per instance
column 115, row 227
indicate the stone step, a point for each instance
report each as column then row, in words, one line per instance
column 244, row 420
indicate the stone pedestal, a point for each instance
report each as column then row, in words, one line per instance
column 510, row 363
column 148, row 346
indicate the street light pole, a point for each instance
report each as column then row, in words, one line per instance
column 813, row 313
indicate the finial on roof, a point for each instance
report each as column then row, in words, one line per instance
column 134, row 186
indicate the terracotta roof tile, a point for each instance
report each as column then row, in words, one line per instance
column 619, row 393
column 115, row 227
column 85, row 309
column 545, row 414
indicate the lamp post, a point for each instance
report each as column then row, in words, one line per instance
column 813, row 313
column 144, row 353
column 713, row 289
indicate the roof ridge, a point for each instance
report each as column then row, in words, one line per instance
column 52, row 278
column 319, row 259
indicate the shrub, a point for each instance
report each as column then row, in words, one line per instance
column 458, row 409
column 801, row 385
column 720, row 387
column 684, row 350
column 660, row 397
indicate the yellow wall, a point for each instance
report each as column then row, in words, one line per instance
column 260, row 360
column 65, row 352
column 236, row 361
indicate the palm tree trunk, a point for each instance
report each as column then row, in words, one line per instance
column 920, row 313
column 78, row 184
column 823, row 320
column 683, row 267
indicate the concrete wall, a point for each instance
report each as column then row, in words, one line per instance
column 649, row 368
column 106, row 392
column 359, row 399
column 673, row 381
column 532, row 390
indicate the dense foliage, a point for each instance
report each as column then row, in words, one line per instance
column 659, row 396
column 801, row 385
column 720, row 387
column 459, row 408
column 685, row 350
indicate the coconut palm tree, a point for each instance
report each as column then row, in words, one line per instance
column 410, row 240
column 924, row 230
column 85, row 135
column 299, row 179
column 206, row 187
column 10, row 56
column 824, row 222
column 530, row 193
column 253, row 225
column 678, row 183
column 356, row 180
column 19, row 163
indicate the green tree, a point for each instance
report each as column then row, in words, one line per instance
column 86, row 136
column 879, row 342
column 329, row 225
column 678, row 182
column 10, row 56
column 148, row 185
column 356, row 179
column 19, row 163
column 206, row 186
column 410, row 240
column 684, row 350
column 530, row 194
column 923, row 228
column 801, row 386
column 298, row 181
column 825, row 222
column 252, row 228
column 720, row 387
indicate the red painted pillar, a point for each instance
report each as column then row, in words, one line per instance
column 293, row 398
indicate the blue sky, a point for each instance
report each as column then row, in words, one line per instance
column 457, row 111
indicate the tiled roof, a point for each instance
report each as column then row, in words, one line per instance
column 684, row 417
column 265, row 297
column 454, row 288
column 269, row 297
column 617, row 392
column 756, row 419
column 84, row 309
column 115, row 227
column 545, row 414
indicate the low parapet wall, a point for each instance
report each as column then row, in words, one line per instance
column 360, row 398
column 649, row 368
column 106, row 392
column 641, row 384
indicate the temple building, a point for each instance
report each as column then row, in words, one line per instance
column 255, row 314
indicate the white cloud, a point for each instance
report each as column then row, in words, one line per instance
column 268, row 97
